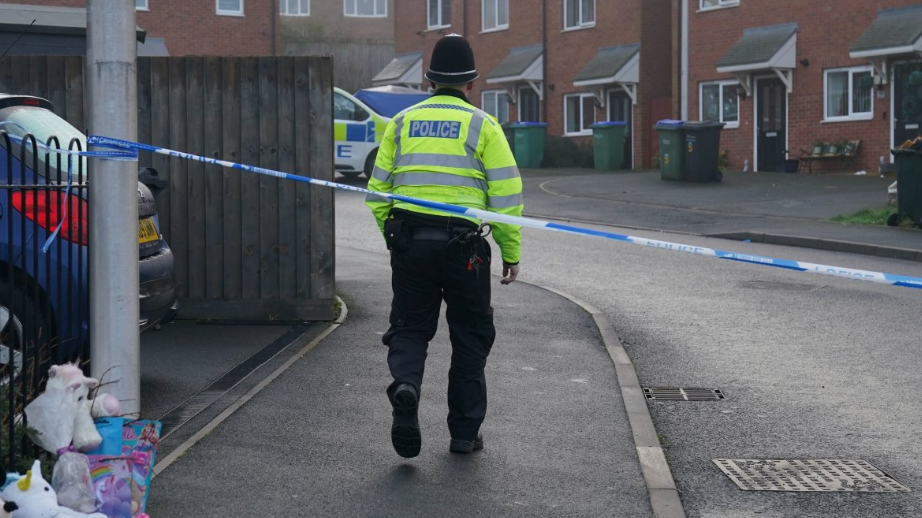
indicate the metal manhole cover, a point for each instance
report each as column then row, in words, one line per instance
column 808, row 475
column 774, row 285
column 683, row 394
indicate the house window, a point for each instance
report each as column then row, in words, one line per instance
column 141, row 5
column 496, row 103
column 720, row 102
column 231, row 7
column 849, row 94
column 439, row 13
column 578, row 14
column 529, row 105
column 578, row 114
column 295, row 7
column 365, row 8
column 716, row 4
column 495, row 15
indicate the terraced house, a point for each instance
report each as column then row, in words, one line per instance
column 567, row 63
column 794, row 79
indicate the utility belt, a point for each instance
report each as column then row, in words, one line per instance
column 457, row 234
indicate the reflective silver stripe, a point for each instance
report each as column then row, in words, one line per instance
column 473, row 133
column 377, row 198
column 449, row 179
column 398, row 127
column 505, row 202
column 438, row 160
column 502, row 173
column 381, row 175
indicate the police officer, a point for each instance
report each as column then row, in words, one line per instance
column 445, row 150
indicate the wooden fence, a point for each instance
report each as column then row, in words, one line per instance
column 246, row 246
column 355, row 64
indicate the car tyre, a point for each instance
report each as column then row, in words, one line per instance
column 370, row 163
column 15, row 316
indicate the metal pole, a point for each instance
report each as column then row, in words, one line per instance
column 113, row 245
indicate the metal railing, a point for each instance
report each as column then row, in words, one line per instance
column 44, row 283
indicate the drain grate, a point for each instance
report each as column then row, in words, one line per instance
column 683, row 394
column 808, row 475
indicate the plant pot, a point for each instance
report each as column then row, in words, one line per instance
column 791, row 165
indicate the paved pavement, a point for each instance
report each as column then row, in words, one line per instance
column 777, row 208
column 315, row 441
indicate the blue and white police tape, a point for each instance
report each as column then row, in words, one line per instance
column 485, row 215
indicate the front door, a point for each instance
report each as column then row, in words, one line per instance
column 907, row 102
column 621, row 109
column 771, row 118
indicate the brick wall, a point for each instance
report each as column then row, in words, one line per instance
column 567, row 52
column 192, row 27
column 327, row 23
column 826, row 31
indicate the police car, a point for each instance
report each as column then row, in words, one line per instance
column 357, row 133
column 360, row 121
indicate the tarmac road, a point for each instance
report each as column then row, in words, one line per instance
column 813, row 367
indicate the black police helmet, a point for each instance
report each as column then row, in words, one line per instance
column 452, row 62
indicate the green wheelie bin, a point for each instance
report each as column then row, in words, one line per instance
column 908, row 187
column 608, row 145
column 671, row 149
column 528, row 147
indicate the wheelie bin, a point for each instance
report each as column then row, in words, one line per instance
column 528, row 144
column 671, row 155
column 608, row 145
column 908, row 187
column 702, row 151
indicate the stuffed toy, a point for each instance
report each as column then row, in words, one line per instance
column 6, row 508
column 105, row 405
column 35, row 499
column 86, row 437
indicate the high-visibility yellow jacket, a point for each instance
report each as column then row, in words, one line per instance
column 445, row 150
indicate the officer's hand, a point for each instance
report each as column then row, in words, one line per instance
column 510, row 272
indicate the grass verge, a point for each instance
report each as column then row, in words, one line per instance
column 867, row 217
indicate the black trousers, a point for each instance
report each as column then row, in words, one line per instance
column 425, row 273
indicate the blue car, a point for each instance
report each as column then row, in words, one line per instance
column 44, row 294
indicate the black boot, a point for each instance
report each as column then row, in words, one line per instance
column 461, row 446
column 405, row 434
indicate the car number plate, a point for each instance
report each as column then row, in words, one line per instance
column 147, row 231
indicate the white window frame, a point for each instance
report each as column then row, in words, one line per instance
column 721, row 4
column 720, row 101
column 860, row 116
column 355, row 7
column 144, row 7
column 582, row 132
column 220, row 12
column 483, row 16
column 581, row 24
column 440, row 24
column 299, row 13
column 495, row 94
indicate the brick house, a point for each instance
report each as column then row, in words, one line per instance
column 568, row 63
column 786, row 74
column 199, row 28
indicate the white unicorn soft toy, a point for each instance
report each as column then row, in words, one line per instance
column 35, row 498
